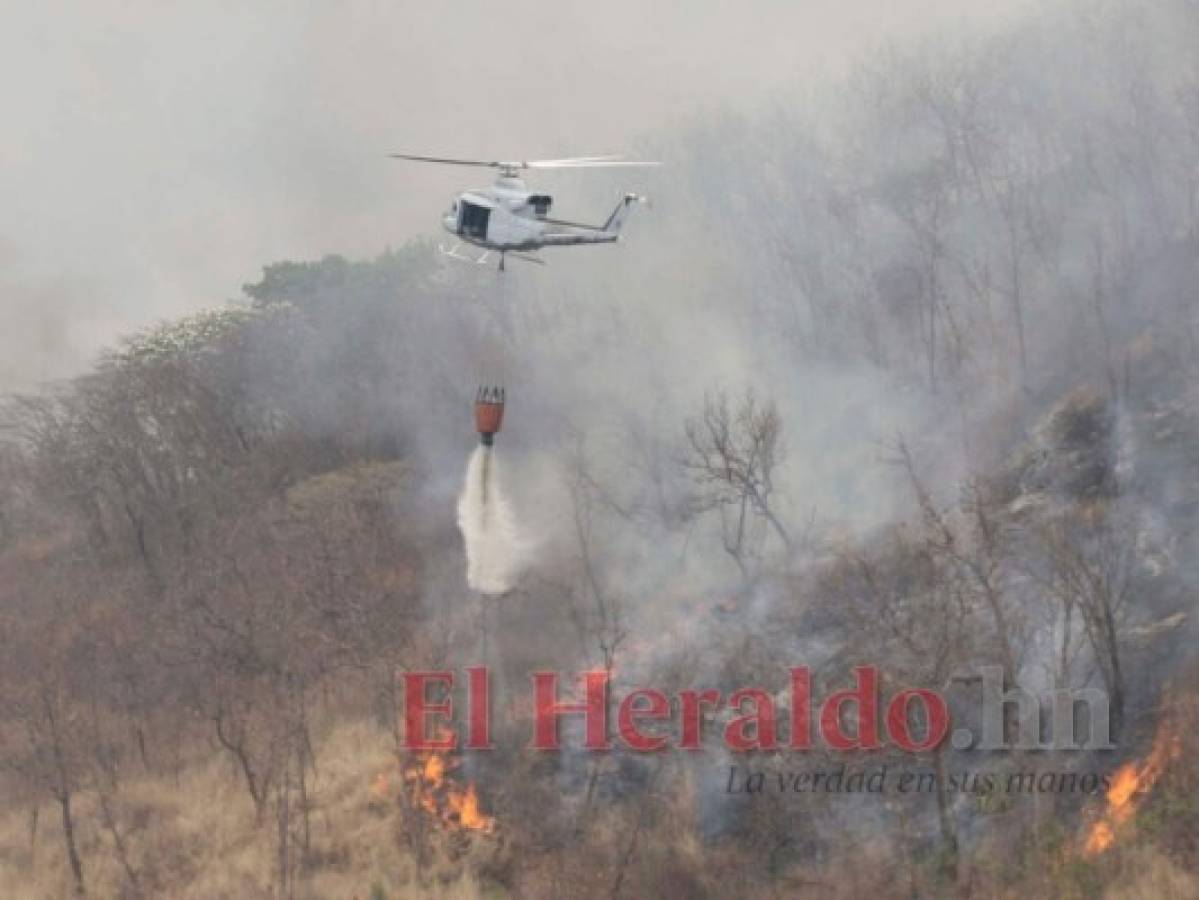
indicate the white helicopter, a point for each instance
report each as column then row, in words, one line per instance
column 507, row 218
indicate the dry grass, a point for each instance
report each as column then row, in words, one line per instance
column 1149, row 875
column 198, row 839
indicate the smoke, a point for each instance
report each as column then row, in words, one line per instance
column 496, row 552
column 935, row 249
column 281, row 154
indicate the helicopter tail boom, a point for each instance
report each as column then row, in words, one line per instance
column 590, row 234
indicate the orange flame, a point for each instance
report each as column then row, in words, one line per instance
column 434, row 772
column 465, row 805
column 428, row 786
column 1130, row 784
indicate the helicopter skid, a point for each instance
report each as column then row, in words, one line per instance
column 452, row 253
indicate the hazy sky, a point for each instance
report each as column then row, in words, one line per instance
column 154, row 155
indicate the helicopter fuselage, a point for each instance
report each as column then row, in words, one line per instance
column 507, row 216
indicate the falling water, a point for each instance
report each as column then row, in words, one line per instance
column 495, row 550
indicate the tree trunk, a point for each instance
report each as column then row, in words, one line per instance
column 949, row 835
column 68, row 836
column 118, row 840
column 33, row 821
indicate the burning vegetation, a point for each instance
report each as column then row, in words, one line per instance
column 427, row 786
column 1131, row 784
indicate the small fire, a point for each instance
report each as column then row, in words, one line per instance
column 434, row 771
column 381, row 786
column 1130, row 784
column 428, row 785
column 466, row 806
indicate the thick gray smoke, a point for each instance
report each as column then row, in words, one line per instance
column 280, row 154
column 496, row 551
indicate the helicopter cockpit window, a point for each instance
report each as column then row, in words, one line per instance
column 474, row 220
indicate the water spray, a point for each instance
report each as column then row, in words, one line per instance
column 495, row 551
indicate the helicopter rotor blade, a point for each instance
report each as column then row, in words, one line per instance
column 573, row 162
column 445, row 160
column 595, row 163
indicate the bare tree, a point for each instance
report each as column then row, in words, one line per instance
column 597, row 608
column 905, row 607
column 975, row 546
column 52, row 684
column 1088, row 563
column 734, row 454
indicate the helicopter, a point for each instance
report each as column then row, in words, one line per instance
column 508, row 219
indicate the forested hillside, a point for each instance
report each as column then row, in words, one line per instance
column 903, row 370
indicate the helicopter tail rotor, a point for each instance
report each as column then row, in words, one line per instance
column 617, row 219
